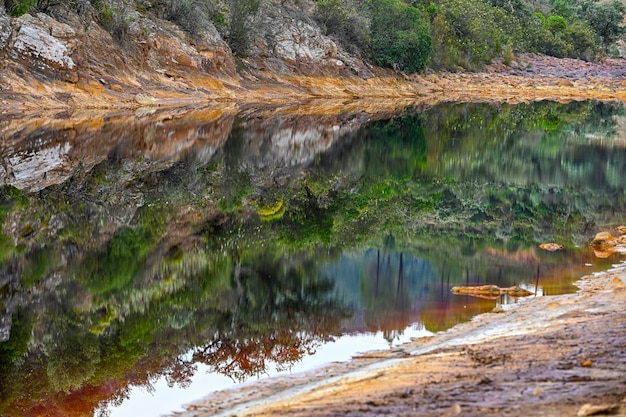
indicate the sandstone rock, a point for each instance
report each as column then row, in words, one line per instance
column 168, row 48
column 287, row 41
column 603, row 240
column 5, row 28
column 591, row 410
column 46, row 45
column 491, row 291
column 146, row 100
column 89, row 84
column 551, row 247
column 482, row 290
column 516, row 291
column 604, row 244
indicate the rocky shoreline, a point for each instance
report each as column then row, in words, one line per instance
column 546, row 356
column 66, row 64
column 534, row 78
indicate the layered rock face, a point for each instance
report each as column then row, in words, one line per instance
column 43, row 44
column 289, row 42
column 70, row 61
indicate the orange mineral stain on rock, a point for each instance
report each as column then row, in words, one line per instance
column 603, row 240
column 551, row 247
column 604, row 244
column 490, row 291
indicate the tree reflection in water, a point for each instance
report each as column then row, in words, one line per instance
column 281, row 314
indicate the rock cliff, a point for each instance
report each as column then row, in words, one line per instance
column 61, row 60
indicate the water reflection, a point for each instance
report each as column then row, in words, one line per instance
column 44, row 152
column 138, row 248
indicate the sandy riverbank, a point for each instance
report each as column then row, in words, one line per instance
column 545, row 356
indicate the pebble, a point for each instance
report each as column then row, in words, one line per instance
column 453, row 411
column 590, row 410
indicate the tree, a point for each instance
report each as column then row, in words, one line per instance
column 606, row 19
column 470, row 34
column 399, row 35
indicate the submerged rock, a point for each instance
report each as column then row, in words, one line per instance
column 491, row 291
column 551, row 247
column 516, row 291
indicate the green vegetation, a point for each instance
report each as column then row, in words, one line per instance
column 452, row 33
column 391, row 32
column 604, row 18
column 407, row 35
column 10, row 199
column 345, row 23
column 467, row 34
column 399, row 37
column 35, row 270
column 17, row 8
column 115, row 268
column 113, row 20
column 189, row 15
column 240, row 14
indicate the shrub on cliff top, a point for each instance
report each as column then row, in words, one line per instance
column 468, row 34
column 566, row 37
column 606, row 18
column 17, row 8
column 240, row 14
column 399, row 35
column 341, row 20
column 189, row 15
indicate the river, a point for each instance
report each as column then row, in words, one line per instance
column 148, row 258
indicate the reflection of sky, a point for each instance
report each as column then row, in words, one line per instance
column 164, row 400
column 368, row 281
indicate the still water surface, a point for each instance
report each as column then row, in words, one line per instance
column 151, row 258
